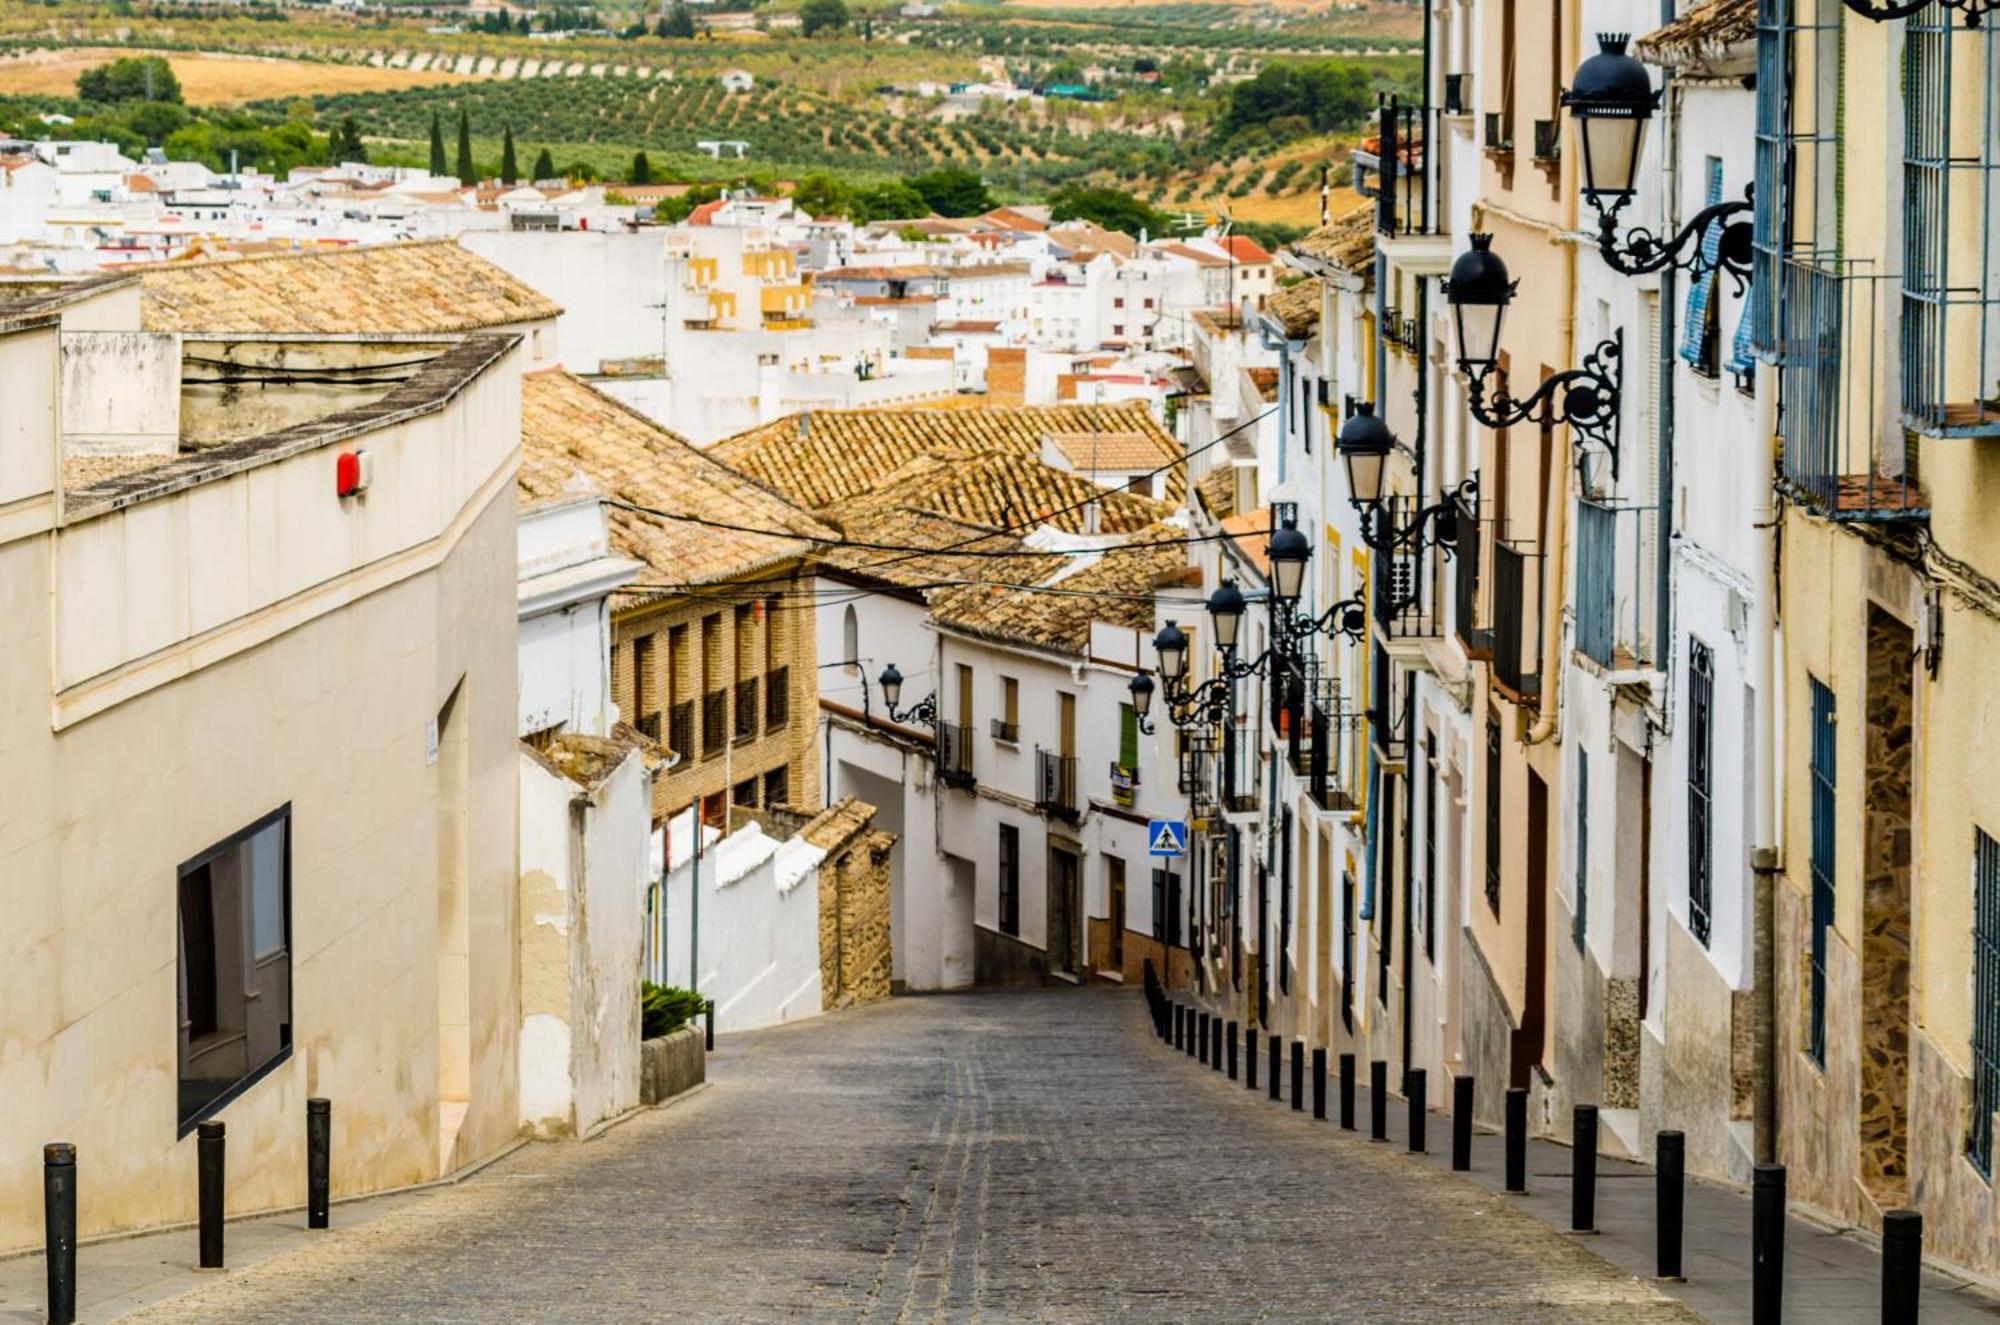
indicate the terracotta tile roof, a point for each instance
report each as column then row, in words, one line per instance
column 1245, row 249
column 962, row 326
column 1109, row 452
column 1701, row 35
column 1296, row 307
column 569, row 429
column 432, row 286
column 1116, row 589
column 825, row 457
column 1348, row 242
column 964, row 553
column 1266, row 382
column 998, row 490
column 1249, row 533
column 1217, row 490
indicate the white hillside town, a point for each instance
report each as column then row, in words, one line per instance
column 855, row 760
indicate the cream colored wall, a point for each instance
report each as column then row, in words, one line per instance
column 28, row 451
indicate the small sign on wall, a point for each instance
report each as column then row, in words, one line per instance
column 431, row 743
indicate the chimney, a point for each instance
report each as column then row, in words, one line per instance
column 805, row 423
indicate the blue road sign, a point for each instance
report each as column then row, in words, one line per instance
column 1167, row 837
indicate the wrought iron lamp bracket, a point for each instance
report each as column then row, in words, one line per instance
column 923, row 713
column 1586, row 399
column 1642, row 252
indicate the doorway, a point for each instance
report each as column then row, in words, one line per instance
column 1064, row 907
column 1885, row 915
column 1527, row 1048
column 1115, row 913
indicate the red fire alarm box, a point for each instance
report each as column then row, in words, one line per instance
column 352, row 471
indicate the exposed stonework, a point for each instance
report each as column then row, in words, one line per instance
column 1621, row 1044
column 855, row 953
column 1693, row 1087
column 1820, row 1108
column 1885, row 915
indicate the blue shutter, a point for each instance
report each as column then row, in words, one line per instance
column 1695, row 328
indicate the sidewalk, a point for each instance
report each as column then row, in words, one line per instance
column 1831, row 1278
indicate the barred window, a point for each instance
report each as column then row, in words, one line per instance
column 1701, row 828
column 1985, row 999
column 1822, row 865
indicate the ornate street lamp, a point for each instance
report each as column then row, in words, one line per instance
column 1171, row 645
column 1289, row 551
column 1364, row 444
column 1142, row 699
column 1611, row 97
column 1225, row 612
column 1585, row 398
column 923, row 712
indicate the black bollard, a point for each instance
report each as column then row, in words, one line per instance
column 1461, row 1124
column 1347, row 1092
column 1231, row 1047
column 1767, row 1245
column 1180, row 1027
column 208, row 1164
column 319, row 1161
column 1193, row 1027
column 1274, row 1067
column 1319, row 1084
column 1670, row 1176
column 708, row 1028
column 1517, row 1139
column 59, row 1229
column 1902, row 1265
column 1583, row 1170
column 1298, row 1075
column 1219, row 1044
column 1250, row 1057
column 1378, row 1100
column 1416, row 1085
column 1201, row 1033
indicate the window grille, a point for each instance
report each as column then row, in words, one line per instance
column 1822, row 864
column 1580, row 922
column 1985, row 999
column 1701, row 745
column 1951, row 226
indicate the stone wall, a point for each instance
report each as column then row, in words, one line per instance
column 1885, row 914
column 1818, row 1108
column 854, row 920
column 1487, row 1033
column 671, row 1064
column 1697, row 1078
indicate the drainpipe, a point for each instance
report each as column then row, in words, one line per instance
column 1767, row 840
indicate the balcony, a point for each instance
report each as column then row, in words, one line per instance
column 954, row 752
column 1055, row 784
column 746, row 710
column 1469, row 619
column 1839, row 458
column 1548, row 142
column 1334, row 752
column 1409, row 598
column 1615, row 590
column 1498, row 139
column 649, row 726
column 1007, row 733
column 1405, row 175
column 1517, row 620
column 1458, row 94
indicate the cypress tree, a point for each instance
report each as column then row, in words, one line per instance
column 508, row 170
column 545, row 165
column 467, row 173
column 437, row 146
column 642, row 169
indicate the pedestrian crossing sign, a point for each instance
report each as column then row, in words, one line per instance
column 1167, row 837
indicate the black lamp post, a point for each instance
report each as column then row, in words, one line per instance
column 1585, row 398
column 923, row 712
column 1364, row 444
column 1611, row 98
column 1142, row 699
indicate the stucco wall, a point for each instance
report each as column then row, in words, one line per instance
column 759, row 928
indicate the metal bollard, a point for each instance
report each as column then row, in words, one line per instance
column 1378, row 1101
column 1274, row 1067
column 1319, row 1084
column 1416, row 1086
column 1201, row 1055
column 208, row 1164
column 1583, row 1169
column 59, row 1229
column 1298, row 1075
column 708, row 1028
column 1347, row 1092
column 1902, row 1265
column 1231, row 1048
column 1192, row 1027
column 1461, row 1124
column 1180, row 1027
column 1218, row 1045
column 1767, row 1245
column 1517, row 1139
column 1670, row 1198
column 319, row 1161
column 1250, row 1057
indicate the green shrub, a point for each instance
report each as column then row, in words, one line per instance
column 664, row 1009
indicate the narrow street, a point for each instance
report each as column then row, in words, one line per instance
column 1006, row 1156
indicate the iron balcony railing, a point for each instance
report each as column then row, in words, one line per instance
column 649, row 726
column 954, row 744
column 1469, row 619
column 1457, row 93
column 1841, row 455
column 1499, row 135
column 1010, row 732
column 1409, row 594
column 1517, row 619
column 1616, row 583
column 1548, row 141
column 1334, row 757
column 1406, row 173
column 1055, row 783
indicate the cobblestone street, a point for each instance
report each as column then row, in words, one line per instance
column 1021, row 1156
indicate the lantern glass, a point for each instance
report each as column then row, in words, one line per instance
column 1289, row 551
column 1478, row 336
column 1611, row 146
column 1225, row 608
column 1171, row 646
column 1364, row 476
column 1142, row 694
column 892, row 685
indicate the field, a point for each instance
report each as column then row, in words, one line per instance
column 211, row 79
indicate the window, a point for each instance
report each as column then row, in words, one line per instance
column 745, row 793
column 1385, row 906
column 1985, row 999
column 1115, row 906
column 1125, row 777
column 645, row 688
column 777, row 787
column 850, row 641
column 1493, row 813
column 1007, row 727
column 1119, row 302
column 1580, row 922
column 1700, row 337
column 235, row 965
column 1822, row 864
column 1010, row 879
column 1284, row 900
column 1430, row 845
column 1347, row 950
column 1701, row 830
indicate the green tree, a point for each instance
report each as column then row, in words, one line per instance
column 130, row 78
column 345, row 144
column 894, row 201
column 545, row 165
column 820, row 194
column 1324, row 95
column 642, row 169
column 1110, row 208
column 467, row 172
column 156, row 121
column 672, row 211
column 437, row 146
column 953, row 191
column 509, row 170
column 821, row 16
column 677, row 22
